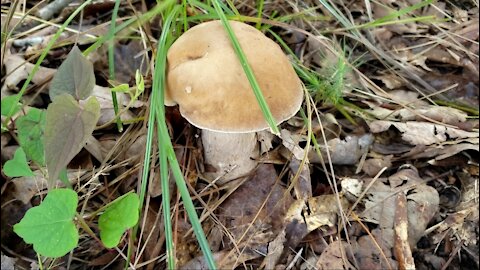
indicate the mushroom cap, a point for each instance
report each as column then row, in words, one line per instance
column 205, row 78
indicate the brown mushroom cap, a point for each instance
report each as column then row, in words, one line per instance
column 207, row 80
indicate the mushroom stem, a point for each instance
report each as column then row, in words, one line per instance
column 230, row 155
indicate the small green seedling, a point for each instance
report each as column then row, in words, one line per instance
column 18, row 166
column 49, row 226
column 133, row 92
column 121, row 215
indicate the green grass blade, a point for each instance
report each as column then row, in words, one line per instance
column 166, row 144
column 111, row 62
column 259, row 15
column 143, row 18
column 247, row 69
column 157, row 101
column 44, row 54
column 151, row 117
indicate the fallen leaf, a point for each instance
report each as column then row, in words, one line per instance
column 380, row 204
column 25, row 188
column 373, row 166
column 239, row 210
column 424, row 133
column 335, row 257
column 343, row 152
column 19, row 69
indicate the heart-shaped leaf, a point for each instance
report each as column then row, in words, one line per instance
column 68, row 126
column 118, row 217
column 30, row 129
column 74, row 76
column 49, row 226
column 18, row 166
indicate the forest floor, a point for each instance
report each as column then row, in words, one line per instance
column 378, row 170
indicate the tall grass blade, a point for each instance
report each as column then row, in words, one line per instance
column 167, row 148
column 247, row 69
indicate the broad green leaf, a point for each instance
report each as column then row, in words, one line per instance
column 8, row 103
column 18, row 166
column 118, row 217
column 49, row 226
column 74, row 76
column 67, row 128
column 31, row 128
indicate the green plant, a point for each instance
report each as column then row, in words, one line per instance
column 18, row 166
column 69, row 122
column 51, row 227
column 53, row 138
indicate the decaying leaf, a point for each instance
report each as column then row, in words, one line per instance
column 343, row 152
column 24, row 188
column 19, row 69
column 424, row 133
column 335, row 257
column 463, row 223
column 380, row 204
column 240, row 209
column 324, row 210
column 373, row 166
column 68, row 126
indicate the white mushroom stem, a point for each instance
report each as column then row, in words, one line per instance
column 232, row 155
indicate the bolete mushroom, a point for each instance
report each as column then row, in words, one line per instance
column 205, row 78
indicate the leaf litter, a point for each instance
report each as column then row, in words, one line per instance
column 410, row 99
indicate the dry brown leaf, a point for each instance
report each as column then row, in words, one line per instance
column 373, row 166
column 228, row 261
column 239, row 210
column 335, row 257
column 107, row 114
column 424, row 133
column 323, row 211
column 464, row 222
column 373, row 253
column 290, row 141
column 380, row 204
column 18, row 70
column 24, row 188
column 344, row 152
column 8, row 262
column 303, row 184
